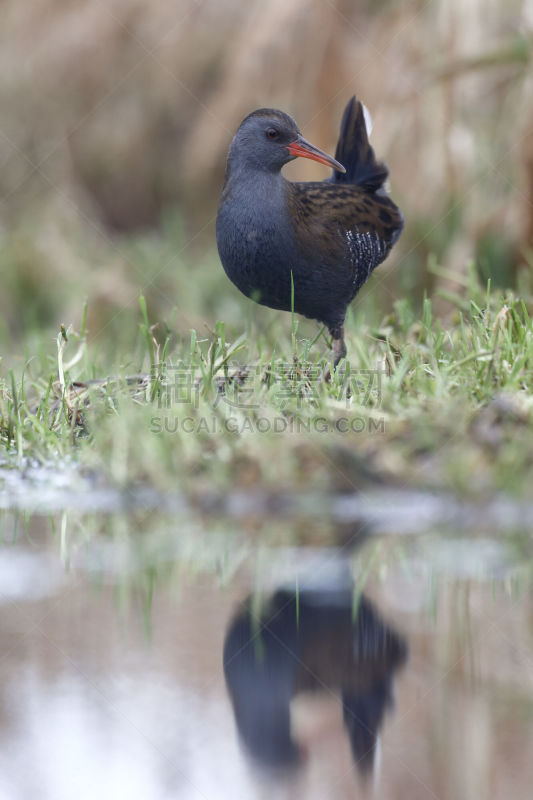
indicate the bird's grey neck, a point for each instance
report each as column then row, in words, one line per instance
column 256, row 192
column 255, row 201
column 249, row 175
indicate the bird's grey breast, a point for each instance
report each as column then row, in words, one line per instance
column 251, row 222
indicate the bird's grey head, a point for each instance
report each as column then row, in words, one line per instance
column 262, row 141
column 267, row 139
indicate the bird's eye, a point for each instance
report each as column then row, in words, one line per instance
column 272, row 133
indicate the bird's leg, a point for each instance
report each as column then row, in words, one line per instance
column 339, row 347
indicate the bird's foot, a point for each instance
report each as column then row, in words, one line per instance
column 341, row 371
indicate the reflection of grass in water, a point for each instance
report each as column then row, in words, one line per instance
column 139, row 555
column 441, row 586
column 372, row 558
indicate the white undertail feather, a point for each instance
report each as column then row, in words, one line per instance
column 368, row 120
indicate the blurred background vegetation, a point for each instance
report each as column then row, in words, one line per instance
column 116, row 116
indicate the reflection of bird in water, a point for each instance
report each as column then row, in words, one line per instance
column 310, row 643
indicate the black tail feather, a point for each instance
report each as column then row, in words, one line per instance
column 355, row 153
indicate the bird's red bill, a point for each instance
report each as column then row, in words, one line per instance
column 304, row 149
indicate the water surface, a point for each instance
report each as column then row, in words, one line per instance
column 176, row 656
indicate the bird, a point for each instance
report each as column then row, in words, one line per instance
column 306, row 247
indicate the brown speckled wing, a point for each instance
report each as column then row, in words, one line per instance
column 351, row 228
